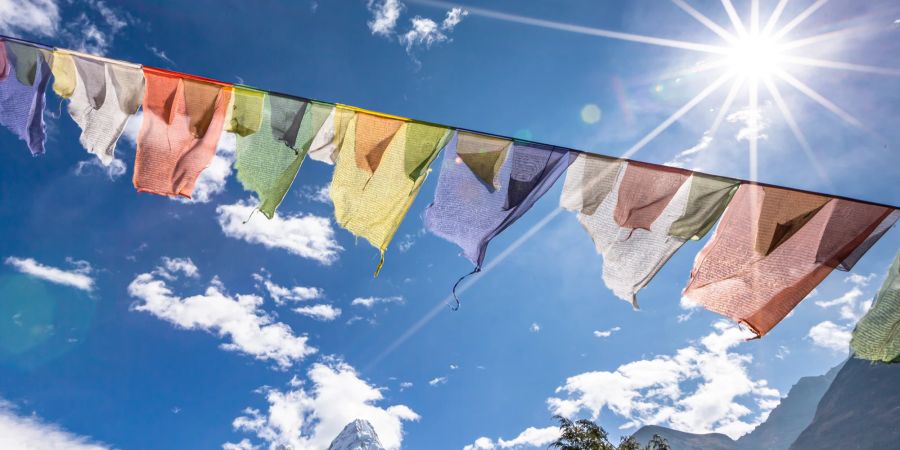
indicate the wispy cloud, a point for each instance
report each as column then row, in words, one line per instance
column 606, row 333
column 38, row 17
column 437, row 381
column 323, row 312
column 307, row 418
column 853, row 305
column 422, row 33
column 113, row 171
column 307, row 236
column 282, row 295
column 369, row 302
column 78, row 277
column 535, row 327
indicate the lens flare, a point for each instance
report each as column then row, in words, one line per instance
column 591, row 114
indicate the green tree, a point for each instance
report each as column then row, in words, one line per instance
column 658, row 442
column 586, row 435
column 581, row 435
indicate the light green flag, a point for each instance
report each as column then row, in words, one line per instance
column 877, row 335
column 707, row 200
column 269, row 159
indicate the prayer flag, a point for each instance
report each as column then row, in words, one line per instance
column 183, row 119
column 24, row 75
column 372, row 188
column 269, row 159
column 636, row 206
column 485, row 185
column 773, row 246
column 102, row 94
column 877, row 335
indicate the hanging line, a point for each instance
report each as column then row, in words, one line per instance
column 525, row 141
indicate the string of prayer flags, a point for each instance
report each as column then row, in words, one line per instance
column 773, row 246
column 877, row 335
column 269, row 159
column 485, row 185
column 372, row 187
column 629, row 209
column 102, row 95
column 183, row 119
column 24, row 75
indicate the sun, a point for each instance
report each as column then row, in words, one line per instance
column 755, row 56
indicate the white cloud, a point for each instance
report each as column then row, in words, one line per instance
column 78, row 277
column 454, row 17
column 783, row 352
column 481, row 443
column 282, row 295
column 323, row 312
column 423, row 32
column 113, row 171
column 161, row 54
column 531, row 437
column 751, row 121
column 239, row 319
column 39, row 17
column 173, row 266
column 437, row 381
column 385, row 14
column 306, row 236
column 32, row 433
column 318, row 194
column 369, row 302
column 308, row 419
column 835, row 336
column 454, row 367
column 683, row 158
column 534, row 328
column 606, row 333
column 702, row 388
column 405, row 385
column 830, row 335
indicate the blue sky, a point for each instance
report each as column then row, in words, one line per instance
column 280, row 333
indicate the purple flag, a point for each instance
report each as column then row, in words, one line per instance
column 472, row 205
column 24, row 74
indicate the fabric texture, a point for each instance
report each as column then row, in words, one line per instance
column 244, row 116
column 183, row 120
column 647, row 200
column 325, row 145
column 758, row 285
column 371, row 188
column 268, row 160
column 471, row 206
column 24, row 75
column 706, row 202
column 877, row 335
column 102, row 96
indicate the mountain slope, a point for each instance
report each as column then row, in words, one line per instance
column 357, row 435
column 861, row 410
column 778, row 432
column 679, row 440
column 791, row 416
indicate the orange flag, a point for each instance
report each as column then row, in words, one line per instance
column 773, row 246
column 183, row 119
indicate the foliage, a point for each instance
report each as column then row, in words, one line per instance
column 586, row 435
